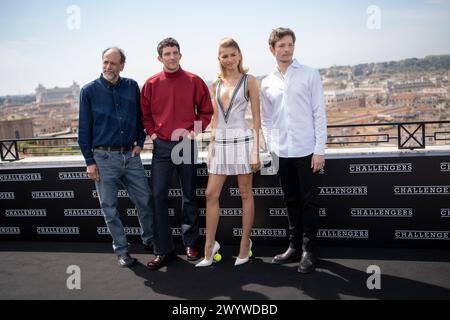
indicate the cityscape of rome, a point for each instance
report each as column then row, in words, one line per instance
column 411, row 90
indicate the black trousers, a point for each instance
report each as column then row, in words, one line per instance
column 162, row 170
column 300, row 192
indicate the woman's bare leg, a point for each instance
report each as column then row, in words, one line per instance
column 213, row 190
column 245, row 183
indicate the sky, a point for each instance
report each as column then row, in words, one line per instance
column 49, row 42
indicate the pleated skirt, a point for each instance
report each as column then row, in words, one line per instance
column 232, row 156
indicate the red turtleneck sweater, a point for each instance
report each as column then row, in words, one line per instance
column 171, row 101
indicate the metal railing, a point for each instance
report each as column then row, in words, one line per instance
column 408, row 135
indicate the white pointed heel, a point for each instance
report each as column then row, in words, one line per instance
column 240, row 261
column 215, row 256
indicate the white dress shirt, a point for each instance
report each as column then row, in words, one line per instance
column 293, row 112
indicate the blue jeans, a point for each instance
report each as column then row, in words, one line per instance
column 118, row 170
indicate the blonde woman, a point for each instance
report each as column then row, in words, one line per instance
column 233, row 150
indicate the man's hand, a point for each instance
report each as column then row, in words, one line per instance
column 317, row 162
column 136, row 151
column 153, row 137
column 92, row 172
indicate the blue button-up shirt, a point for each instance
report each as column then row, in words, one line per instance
column 110, row 116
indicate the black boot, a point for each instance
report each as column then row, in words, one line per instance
column 290, row 255
column 307, row 262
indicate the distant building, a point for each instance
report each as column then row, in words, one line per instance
column 376, row 99
column 403, row 99
column 441, row 92
column 370, row 90
column 344, row 99
column 57, row 94
column 66, row 133
column 331, row 84
column 413, row 86
column 16, row 127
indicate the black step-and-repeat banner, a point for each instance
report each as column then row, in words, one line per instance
column 390, row 202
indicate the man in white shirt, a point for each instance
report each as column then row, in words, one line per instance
column 294, row 126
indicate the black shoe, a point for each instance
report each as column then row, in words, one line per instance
column 125, row 260
column 148, row 247
column 290, row 255
column 307, row 263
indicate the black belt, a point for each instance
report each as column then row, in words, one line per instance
column 120, row 149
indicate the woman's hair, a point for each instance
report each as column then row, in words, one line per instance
column 231, row 43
